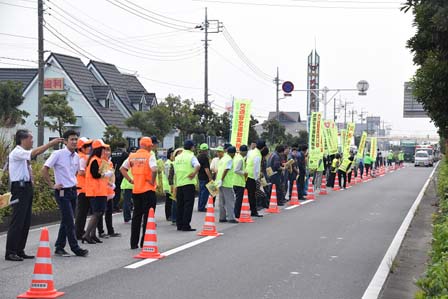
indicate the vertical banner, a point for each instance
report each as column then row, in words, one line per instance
column 348, row 139
column 315, row 139
column 373, row 148
column 240, row 122
column 330, row 137
column 362, row 145
column 343, row 134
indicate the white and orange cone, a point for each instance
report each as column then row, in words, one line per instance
column 245, row 210
column 209, row 228
column 42, row 285
column 150, row 248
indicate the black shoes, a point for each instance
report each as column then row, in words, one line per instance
column 222, row 220
column 88, row 240
column 61, row 252
column 13, row 257
column 134, row 247
column 81, row 252
column 94, row 238
column 25, row 256
column 103, row 236
column 188, row 229
column 232, row 221
column 114, row 235
column 256, row 215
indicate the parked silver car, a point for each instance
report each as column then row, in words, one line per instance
column 422, row 159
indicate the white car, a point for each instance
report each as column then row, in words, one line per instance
column 422, row 159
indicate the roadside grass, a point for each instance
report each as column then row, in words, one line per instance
column 434, row 283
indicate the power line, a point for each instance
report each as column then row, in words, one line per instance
column 109, row 38
column 128, row 52
column 244, row 57
column 294, row 5
column 18, row 59
column 69, row 42
column 146, row 17
column 17, row 5
column 19, row 36
column 157, row 14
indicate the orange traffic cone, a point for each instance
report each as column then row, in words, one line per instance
column 294, row 195
column 150, row 249
column 336, row 183
column 273, row 207
column 352, row 179
column 323, row 186
column 245, row 210
column 310, row 192
column 358, row 177
column 209, row 228
column 42, row 282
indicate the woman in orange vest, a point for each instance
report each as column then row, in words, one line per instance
column 84, row 147
column 97, row 181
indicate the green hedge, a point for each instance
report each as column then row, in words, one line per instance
column 434, row 284
column 43, row 195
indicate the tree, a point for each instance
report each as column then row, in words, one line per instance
column 114, row 137
column 274, row 132
column 11, row 98
column 156, row 121
column 253, row 135
column 430, row 48
column 56, row 108
column 302, row 139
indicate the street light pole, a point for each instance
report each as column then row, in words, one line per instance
column 277, row 99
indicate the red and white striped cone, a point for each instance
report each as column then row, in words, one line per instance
column 310, row 192
column 150, row 248
column 42, row 285
column 358, row 178
column 323, row 186
column 273, row 207
column 294, row 195
column 245, row 210
column 209, row 228
column 336, row 183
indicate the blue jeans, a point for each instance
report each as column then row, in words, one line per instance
column 67, row 206
column 203, row 195
column 127, row 204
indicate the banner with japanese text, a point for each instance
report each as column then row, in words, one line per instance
column 362, row 145
column 373, row 148
column 330, row 136
column 240, row 122
column 315, row 140
column 348, row 139
column 343, row 134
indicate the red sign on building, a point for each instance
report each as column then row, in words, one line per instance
column 54, row 84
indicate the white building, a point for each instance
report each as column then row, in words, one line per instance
column 98, row 93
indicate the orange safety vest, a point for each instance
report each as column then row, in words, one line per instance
column 110, row 190
column 139, row 163
column 81, row 178
column 95, row 187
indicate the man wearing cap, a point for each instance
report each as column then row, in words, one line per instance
column 225, row 180
column 143, row 166
column 204, row 176
column 239, row 179
column 84, row 148
column 65, row 163
column 186, row 167
column 253, row 167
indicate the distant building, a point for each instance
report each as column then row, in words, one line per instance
column 290, row 120
column 98, row 93
column 412, row 108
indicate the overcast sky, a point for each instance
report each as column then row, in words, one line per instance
column 366, row 41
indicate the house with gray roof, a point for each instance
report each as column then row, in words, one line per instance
column 290, row 120
column 98, row 101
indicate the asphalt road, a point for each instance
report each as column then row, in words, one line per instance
column 328, row 248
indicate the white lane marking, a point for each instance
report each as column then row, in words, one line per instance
column 170, row 252
column 302, row 203
column 378, row 280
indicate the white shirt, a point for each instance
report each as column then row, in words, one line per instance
column 18, row 164
column 65, row 165
column 152, row 162
column 195, row 162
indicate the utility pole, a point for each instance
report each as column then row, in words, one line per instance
column 206, row 59
column 40, row 92
column 277, row 99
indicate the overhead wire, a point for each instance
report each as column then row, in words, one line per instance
column 17, row 5
column 101, row 35
column 297, row 6
column 146, row 17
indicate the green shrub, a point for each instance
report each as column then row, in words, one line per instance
column 434, row 284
